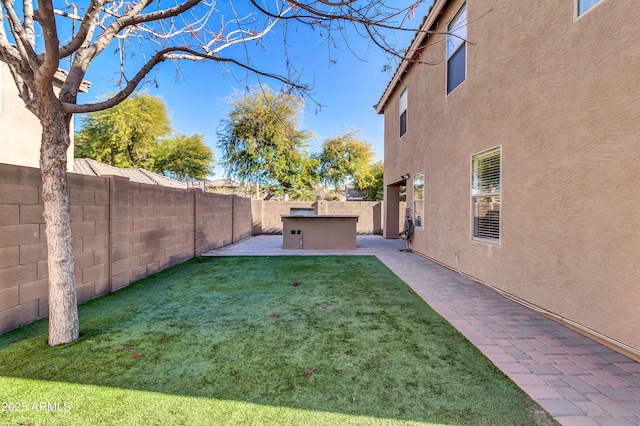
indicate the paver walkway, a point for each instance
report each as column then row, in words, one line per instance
column 576, row 380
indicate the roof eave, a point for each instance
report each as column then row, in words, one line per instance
column 61, row 76
column 407, row 61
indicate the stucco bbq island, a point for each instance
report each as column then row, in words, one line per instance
column 304, row 231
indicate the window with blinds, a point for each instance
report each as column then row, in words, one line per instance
column 485, row 194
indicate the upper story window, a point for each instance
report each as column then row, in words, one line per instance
column 457, row 49
column 485, row 194
column 584, row 5
column 403, row 112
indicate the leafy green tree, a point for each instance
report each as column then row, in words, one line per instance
column 375, row 187
column 318, row 192
column 261, row 142
column 137, row 133
column 123, row 136
column 183, row 157
column 345, row 157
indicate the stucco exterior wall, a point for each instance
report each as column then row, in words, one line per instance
column 20, row 130
column 560, row 96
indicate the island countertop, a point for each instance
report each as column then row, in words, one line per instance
column 320, row 216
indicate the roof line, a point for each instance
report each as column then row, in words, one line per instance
column 91, row 166
column 152, row 175
column 60, row 76
column 414, row 47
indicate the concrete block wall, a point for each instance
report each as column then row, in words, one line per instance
column 256, row 217
column 23, row 247
column 242, row 218
column 89, row 197
column 267, row 214
column 123, row 231
column 213, row 226
column 370, row 214
column 220, row 220
column 152, row 229
column 270, row 222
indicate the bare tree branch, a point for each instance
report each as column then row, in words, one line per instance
column 25, row 49
column 132, row 17
column 110, row 33
column 49, row 66
column 8, row 51
column 358, row 16
column 27, row 8
column 87, row 26
column 337, row 3
column 173, row 53
column 162, row 14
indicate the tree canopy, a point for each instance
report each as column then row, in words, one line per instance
column 182, row 157
column 375, row 190
column 137, row 133
column 124, row 135
column 345, row 156
column 261, row 142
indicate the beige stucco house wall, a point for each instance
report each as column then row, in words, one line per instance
column 20, row 130
column 559, row 95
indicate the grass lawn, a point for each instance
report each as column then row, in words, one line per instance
column 258, row 340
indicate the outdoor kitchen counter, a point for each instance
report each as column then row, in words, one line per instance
column 319, row 231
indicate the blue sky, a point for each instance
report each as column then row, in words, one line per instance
column 347, row 86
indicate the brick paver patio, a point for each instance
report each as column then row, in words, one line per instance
column 578, row 381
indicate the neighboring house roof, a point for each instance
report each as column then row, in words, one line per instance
column 223, row 183
column 415, row 48
column 86, row 166
column 61, row 76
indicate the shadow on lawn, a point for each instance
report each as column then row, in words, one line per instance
column 329, row 334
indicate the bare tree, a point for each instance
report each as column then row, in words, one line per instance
column 36, row 38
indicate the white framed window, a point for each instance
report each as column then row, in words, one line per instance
column 403, row 112
column 457, row 49
column 486, row 180
column 585, row 5
column 418, row 200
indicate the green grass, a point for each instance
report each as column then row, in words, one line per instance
column 259, row 340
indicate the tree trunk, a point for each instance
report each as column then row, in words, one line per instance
column 63, row 309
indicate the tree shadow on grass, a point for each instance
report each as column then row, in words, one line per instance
column 327, row 334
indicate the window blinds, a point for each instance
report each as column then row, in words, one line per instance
column 485, row 192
